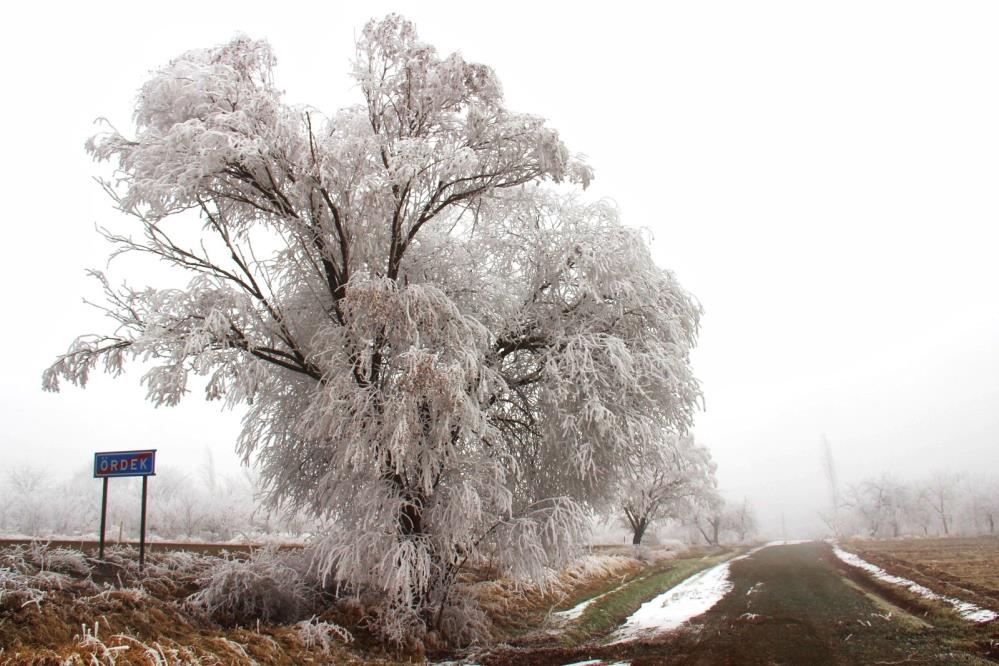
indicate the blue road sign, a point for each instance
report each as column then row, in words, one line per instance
column 125, row 463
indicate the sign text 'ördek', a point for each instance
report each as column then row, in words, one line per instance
column 125, row 463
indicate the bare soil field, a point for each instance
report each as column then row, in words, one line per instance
column 967, row 568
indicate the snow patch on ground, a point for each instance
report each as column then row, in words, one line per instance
column 669, row 610
column 788, row 542
column 577, row 610
column 690, row 598
column 967, row 610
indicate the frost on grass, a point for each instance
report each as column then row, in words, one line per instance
column 586, row 569
column 134, row 617
column 317, row 634
column 269, row 585
column 508, row 597
column 29, row 574
column 965, row 609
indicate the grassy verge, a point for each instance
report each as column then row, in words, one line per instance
column 610, row 611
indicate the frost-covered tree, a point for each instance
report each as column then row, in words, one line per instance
column 709, row 518
column 940, row 494
column 879, row 504
column 441, row 352
column 984, row 505
column 742, row 520
column 666, row 484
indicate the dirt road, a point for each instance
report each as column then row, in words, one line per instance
column 789, row 604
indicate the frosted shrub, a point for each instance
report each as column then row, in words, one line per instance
column 16, row 590
column 461, row 622
column 28, row 573
column 316, row 634
column 60, row 560
column 15, row 558
column 266, row 586
column 178, row 563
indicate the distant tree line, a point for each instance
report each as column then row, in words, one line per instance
column 204, row 506
column 944, row 504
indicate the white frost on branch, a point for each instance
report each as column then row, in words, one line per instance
column 440, row 353
column 668, row 481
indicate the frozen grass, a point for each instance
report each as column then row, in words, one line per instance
column 595, row 567
column 316, row 634
column 267, row 586
column 965, row 609
column 129, row 617
column 188, row 608
column 516, row 608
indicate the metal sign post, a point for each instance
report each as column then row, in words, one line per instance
column 104, row 515
column 125, row 463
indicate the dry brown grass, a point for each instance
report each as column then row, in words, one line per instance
column 521, row 611
column 962, row 567
column 967, row 568
column 57, row 607
column 82, row 617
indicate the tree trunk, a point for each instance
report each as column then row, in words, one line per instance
column 704, row 534
column 639, row 533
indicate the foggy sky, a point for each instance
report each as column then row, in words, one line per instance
column 822, row 179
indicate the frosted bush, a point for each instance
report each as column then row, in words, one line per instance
column 15, row 559
column 177, row 564
column 60, row 560
column 125, row 558
column 316, row 634
column 16, row 590
column 462, row 622
column 266, row 586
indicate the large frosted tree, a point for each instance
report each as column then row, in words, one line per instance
column 442, row 348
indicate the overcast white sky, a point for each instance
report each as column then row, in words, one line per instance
column 823, row 177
